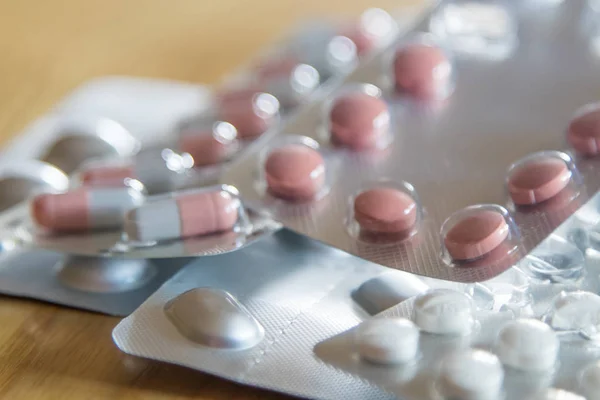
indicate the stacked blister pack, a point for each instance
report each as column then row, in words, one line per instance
column 408, row 206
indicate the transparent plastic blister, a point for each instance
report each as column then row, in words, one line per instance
column 485, row 29
column 459, row 150
column 121, row 222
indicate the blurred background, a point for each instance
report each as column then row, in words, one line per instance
column 49, row 47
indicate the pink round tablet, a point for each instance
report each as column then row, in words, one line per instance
column 584, row 133
column 421, row 71
column 251, row 116
column 358, row 120
column 275, row 68
column 538, row 180
column 295, row 172
column 385, row 210
column 363, row 41
column 475, row 235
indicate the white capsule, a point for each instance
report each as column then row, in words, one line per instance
column 470, row 375
column 445, row 312
column 527, row 344
column 589, row 381
column 387, row 341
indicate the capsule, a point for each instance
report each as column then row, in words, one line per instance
column 289, row 80
column 84, row 209
column 157, row 171
column 185, row 215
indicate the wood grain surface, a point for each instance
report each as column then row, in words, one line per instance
column 47, row 48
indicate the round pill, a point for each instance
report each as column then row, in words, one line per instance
column 470, row 375
column 589, row 381
column 84, row 208
column 387, row 341
column 295, row 172
column 385, row 210
column 576, row 311
column 583, row 133
column 527, row 344
column 538, row 180
column 373, row 28
column 475, row 235
column 421, row 71
column 185, row 215
column 444, row 312
column 210, row 146
column 358, row 120
column 251, row 116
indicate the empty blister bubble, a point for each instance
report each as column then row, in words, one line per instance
column 84, row 138
column 387, row 290
column 583, row 132
column 358, row 118
column 539, row 177
column 384, row 212
column 157, row 169
column 444, row 312
column 483, row 29
column 527, row 344
column 589, row 381
column 387, row 341
column 423, row 70
column 208, row 142
column 557, row 394
column 293, row 169
column 329, row 52
column 470, row 375
column 577, row 312
column 185, row 214
column 214, row 318
column 555, row 260
column 105, row 275
column 84, row 208
column 475, row 231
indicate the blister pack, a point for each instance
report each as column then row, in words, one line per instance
column 254, row 315
column 536, row 339
column 451, row 154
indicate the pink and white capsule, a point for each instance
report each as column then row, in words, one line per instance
column 186, row 215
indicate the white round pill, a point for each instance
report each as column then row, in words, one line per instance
column 444, row 311
column 576, row 311
column 387, row 341
column 557, row 394
column 527, row 344
column 589, row 381
column 470, row 375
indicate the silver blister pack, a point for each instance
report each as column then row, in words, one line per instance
column 513, row 85
column 529, row 333
column 110, row 286
column 254, row 315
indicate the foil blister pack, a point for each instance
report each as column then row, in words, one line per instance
column 452, row 153
column 142, row 206
column 253, row 316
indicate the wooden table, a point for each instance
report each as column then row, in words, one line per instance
column 49, row 47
